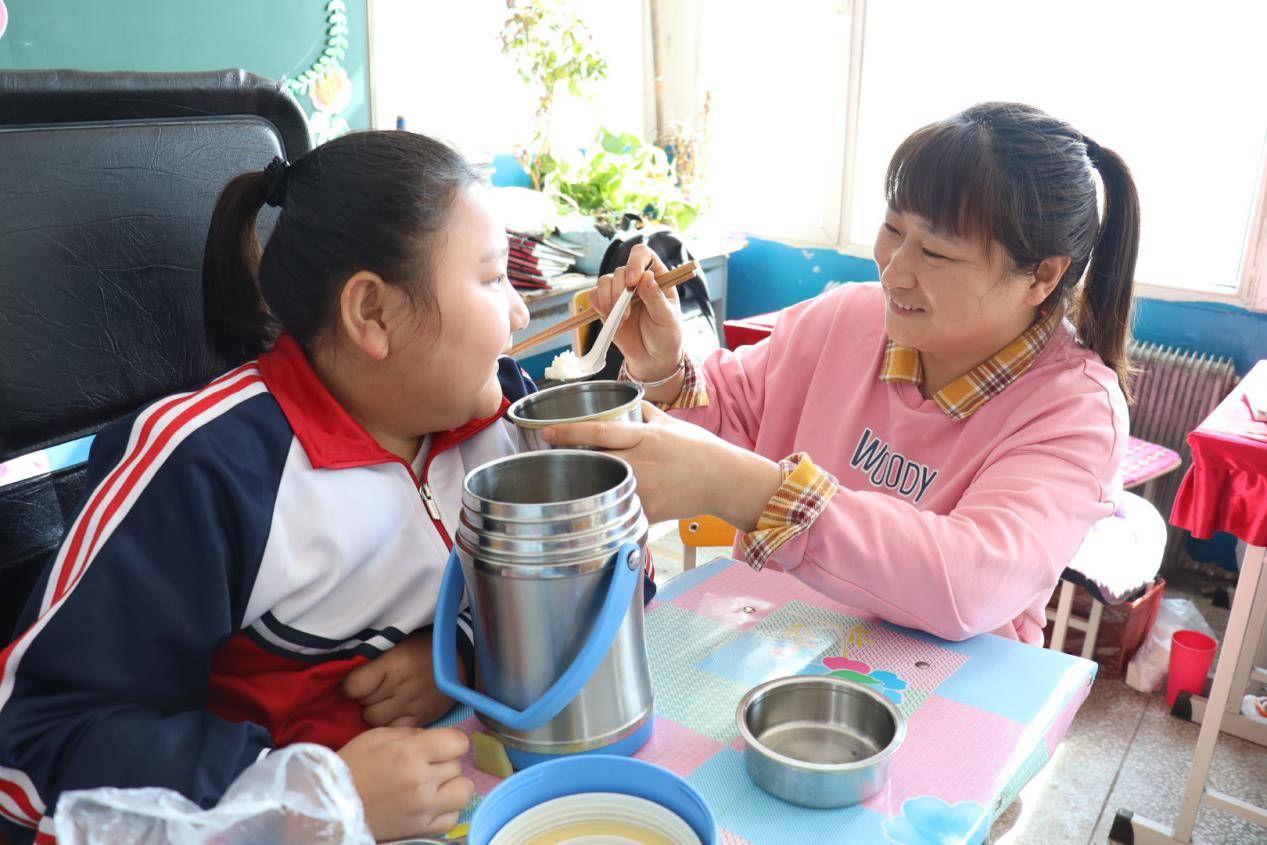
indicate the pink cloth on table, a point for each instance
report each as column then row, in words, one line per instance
column 1146, row 460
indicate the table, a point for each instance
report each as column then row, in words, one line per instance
column 984, row 715
column 1225, row 489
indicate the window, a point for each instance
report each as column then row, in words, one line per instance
column 777, row 77
column 1173, row 89
column 439, row 65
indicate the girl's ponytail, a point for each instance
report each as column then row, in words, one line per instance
column 238, row 322
column 1104, row 309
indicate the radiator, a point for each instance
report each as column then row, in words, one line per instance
column 1174, row 390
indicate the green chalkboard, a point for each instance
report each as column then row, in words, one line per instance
column 273, row 38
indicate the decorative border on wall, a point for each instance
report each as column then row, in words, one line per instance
column 326, row 82
column 331, row 58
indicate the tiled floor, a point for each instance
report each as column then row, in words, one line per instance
column 1124, row 750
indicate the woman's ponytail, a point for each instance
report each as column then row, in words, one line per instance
column 238, row 322
column 1104, row 309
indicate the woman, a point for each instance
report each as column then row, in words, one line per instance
column 932, row 449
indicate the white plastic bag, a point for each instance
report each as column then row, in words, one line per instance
column 300, row 794
column 1147, row 669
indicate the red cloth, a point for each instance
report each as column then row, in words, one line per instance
column 1226, row 486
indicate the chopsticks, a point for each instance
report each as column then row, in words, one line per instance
column 672, row 278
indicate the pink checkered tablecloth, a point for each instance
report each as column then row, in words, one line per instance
column 983, row 716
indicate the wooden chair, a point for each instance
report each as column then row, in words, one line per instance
column 703, row 531
column 584, row 334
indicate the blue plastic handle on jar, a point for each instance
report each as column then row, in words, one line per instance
column 620, row 593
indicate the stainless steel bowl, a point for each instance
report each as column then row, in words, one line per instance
column 819, row 741
column 582, row 401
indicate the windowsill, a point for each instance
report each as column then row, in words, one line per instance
column 1167, row 293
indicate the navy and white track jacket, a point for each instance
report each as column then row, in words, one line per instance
column 239, row 550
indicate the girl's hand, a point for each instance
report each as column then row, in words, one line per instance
column 651, row 336
column 409, row 780
column 682, row 470
column 398, row 688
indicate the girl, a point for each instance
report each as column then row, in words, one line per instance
column 934, row 448
column 244, row 547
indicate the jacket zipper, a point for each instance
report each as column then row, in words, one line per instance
column 433, row 510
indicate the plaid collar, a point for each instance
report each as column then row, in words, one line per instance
column 965, row 395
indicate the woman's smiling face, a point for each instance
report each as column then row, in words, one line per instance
column 947, row 296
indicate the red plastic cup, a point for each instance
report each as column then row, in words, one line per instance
column 1191, row 653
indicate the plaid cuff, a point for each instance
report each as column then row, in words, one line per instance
column 694, row 392
column 804, row 494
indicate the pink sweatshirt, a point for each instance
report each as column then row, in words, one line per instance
column 956, row 528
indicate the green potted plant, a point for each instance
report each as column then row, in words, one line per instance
column 619, row 174
column 553, row 52
column 552, row 49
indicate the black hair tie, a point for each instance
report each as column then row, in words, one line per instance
column 1093, row 149
column 275, row 181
